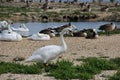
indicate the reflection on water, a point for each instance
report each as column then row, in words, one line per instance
column 38, row 26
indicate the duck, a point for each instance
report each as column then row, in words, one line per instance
column 108, row 28
column 104, row 9
column 22, row 29
column 59, row 29
column 87, row 9
column 39, row 36
column 93, row 34
column 9, row 35
column 49, row 52
column 48, row 31
column 79, row 33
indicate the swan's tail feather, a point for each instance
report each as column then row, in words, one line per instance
column 34, row 58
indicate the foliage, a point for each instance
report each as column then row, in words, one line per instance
column 116, row 31
column 116, row 61
column 6, row 67
column 91, row 66
column 4, row 15
column 63, row 69
column 116, row 76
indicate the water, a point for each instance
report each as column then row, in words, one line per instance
column 35, row 27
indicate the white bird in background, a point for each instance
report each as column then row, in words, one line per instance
column 3, row 25
column 9, row 35
column 22, row 29
column 47, row 53
column 39, row 36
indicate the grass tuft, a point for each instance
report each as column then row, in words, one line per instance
column 64, row 69
column 6, row 67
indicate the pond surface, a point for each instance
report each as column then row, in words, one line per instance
column 38, row 26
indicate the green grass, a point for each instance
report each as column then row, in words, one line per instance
column 116, row 31
column 91, row 66
column 6, row 11
column 6, row 67
column 117, row 75
column 4, row 15
column 65, row 69
column 116, row 9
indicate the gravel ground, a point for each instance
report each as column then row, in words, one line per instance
column 104, row 46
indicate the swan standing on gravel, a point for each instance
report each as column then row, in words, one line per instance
column 47, row 53
column 22, row 29
column 39, row 36
column 9, row 35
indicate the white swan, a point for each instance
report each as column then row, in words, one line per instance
column 39, row 36
column 22, row 29
column 49, row 52
column 9, row 35
column 3, row 25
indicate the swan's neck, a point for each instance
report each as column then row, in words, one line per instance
column 64, row 46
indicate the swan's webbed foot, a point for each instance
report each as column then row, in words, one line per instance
column 46, row 65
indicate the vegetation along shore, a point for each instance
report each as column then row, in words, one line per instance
column 60, row 11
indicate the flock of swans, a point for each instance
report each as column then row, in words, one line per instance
column 8, row 33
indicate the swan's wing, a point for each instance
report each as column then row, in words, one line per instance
column 40, row 37
column 49, row 51
column 34, row 58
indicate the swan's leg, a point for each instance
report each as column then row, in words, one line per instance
column 45, row 67
column 46, row 64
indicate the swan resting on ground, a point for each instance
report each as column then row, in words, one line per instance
column 9, row 35
column 3, row 25
column 39, row 36
column 50, row 52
